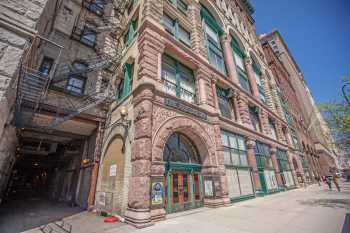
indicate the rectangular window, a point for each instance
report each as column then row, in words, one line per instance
column 180, row 5
column 178, row 79
column 214, row 49
column 95, row 6
column 125, row 85
column 131, row 32
column 263, row 155
column 257, row 75
column 89, row 36
column 46, row 66
column 76, row 85
column 132, row 6
column 235, row 151
column 225, row 105
column 254, row 118
column 282, row 160
column 175, row 29
column 273, row 129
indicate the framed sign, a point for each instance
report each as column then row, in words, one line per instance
column 157, row 192
column 208, row 187
column 113, row 170
column 102, row 199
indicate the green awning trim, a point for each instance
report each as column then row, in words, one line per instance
column 210, row 20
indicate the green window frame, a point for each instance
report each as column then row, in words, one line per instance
column 254, row 118
column 180, row 5
column 125, row 86
column 132, row 6
column 178, row 79
column 131, row 32
column 295, row 139
column 261, row 89
column 235, row 150
column 212, row 32
column 282, row 160
column 176, row 30
column 263, row 155
column 272, row 127
column 239, row 57
column 225, row 105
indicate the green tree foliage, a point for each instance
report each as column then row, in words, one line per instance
column 337, row 115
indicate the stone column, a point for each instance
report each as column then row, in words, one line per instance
column 229, row 61
column 236, row 107
column 252, row 162
column 215, row 97
column 275, row 166
column 138, row 211
column 252, row 81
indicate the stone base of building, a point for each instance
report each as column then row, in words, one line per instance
column 218, row 202
column 158, row 215
column 139, row 218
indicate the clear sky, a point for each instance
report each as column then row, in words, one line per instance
column 317, row 33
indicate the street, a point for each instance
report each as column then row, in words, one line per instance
column 310, row 210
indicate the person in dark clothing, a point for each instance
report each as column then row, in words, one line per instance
column 329, row 182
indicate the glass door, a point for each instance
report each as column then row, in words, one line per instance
column 181, row 193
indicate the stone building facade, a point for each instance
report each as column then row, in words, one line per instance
column 54, row 59
column 198, row 119
column 315, row 126
column 18, row 23
column 301, row 138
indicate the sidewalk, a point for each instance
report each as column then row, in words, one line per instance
column 306, row 210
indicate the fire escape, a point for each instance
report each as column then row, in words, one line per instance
column 34, row 85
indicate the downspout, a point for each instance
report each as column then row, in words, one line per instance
column 96, row 163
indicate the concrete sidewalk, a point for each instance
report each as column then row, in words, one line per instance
column 310, row 210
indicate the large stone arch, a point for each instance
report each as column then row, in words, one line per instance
column 193, row 130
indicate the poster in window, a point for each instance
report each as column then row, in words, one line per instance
column 157, row 192
column 208, row 188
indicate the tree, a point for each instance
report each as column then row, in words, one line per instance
column 337, row 115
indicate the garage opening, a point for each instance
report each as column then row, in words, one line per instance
column 50, row 180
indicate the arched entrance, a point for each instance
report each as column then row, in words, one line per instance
column 183, row 180
column 112, row 180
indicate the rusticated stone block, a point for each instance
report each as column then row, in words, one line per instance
column 141, row 168
column 139, row 193
column 143, row 128
column 142, row 149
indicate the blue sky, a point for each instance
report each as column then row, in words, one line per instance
column 317, row 33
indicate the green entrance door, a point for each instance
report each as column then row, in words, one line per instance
column 183, row 179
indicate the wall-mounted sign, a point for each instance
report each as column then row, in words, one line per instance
column 184, row 108
column 102, row 199
column 157, row 191
column 113, row 170
column 208, row 188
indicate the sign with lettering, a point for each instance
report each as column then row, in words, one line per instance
column 157, row 192
column 113, row 170
column 184, row 108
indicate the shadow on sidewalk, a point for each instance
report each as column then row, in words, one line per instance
column 346, row 225
column 331, row 203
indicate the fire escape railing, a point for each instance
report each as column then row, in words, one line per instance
column 33, row 86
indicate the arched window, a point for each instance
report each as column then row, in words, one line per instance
column 179, row 148
column 212, row 33
column 239, row 56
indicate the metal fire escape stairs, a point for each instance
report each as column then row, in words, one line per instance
column 33, row 86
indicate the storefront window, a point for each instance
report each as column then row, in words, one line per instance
column 235, row 149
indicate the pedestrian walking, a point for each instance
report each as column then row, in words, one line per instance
column 329, row 182
column 336, row 179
